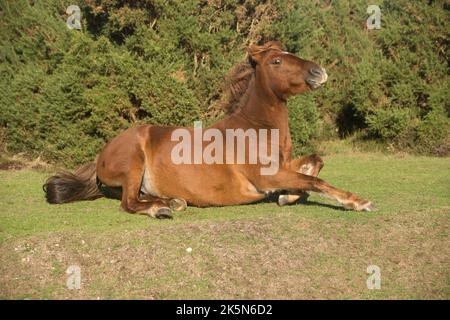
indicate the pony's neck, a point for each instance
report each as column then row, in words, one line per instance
column 263, row 108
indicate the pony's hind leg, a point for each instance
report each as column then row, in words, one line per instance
column 178, row 204
column 149, row 205
column 174, row 204
column 309, row 165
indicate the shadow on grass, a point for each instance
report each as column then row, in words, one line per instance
column 305, row 202
column 326, row 205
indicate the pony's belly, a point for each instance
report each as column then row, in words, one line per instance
column 201, row 187
column 217, row 199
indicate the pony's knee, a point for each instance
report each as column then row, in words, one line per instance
column 312, row 166
column 317, row 160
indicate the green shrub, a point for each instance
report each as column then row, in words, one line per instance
column 388, row 124
column 303, row 123
column 434, row 133
column 64, row 93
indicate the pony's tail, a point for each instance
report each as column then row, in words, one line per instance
column 67, row 187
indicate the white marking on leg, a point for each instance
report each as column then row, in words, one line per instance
column 306, row 169
column 147, row 185
column 284, row 199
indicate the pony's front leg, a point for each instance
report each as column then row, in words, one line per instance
column 309, row 165
column 287, row 179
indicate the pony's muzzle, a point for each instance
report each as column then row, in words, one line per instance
column 317, row 77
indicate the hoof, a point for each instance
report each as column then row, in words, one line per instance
column 364, row 205
column 163, row 213
column 285, row 199
column 178, row 204
column 369, row 207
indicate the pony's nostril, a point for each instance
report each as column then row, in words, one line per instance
column 317, row 76
column 315, row 72
column 312, row 82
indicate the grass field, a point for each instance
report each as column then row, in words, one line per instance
column 314, row 250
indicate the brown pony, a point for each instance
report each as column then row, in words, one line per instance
column 137, row 167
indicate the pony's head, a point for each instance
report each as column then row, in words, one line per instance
column 282, row 72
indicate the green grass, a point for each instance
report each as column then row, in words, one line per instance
column 313, row 250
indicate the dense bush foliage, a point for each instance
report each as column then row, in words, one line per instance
column 65, row 92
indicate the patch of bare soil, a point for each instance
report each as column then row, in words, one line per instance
column 12, row 165
column 287, row 257
column 19, row 162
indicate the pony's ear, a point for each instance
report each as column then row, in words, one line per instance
column 256, row 53
column 252, row 56
column 274, row 45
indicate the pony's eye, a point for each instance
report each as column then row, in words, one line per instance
column 276, row 61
